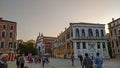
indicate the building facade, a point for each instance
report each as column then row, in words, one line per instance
column 44, row 44
column 8, row 35
column 81, row 38
column 114, row 30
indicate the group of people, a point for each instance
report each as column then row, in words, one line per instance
column 3, row 60
column 88, row 62
column 20, row 61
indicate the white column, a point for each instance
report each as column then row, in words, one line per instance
column 107, row 49
column 96, row 48
column 74, row 33
column 101, row 46
column 75, row 49
column 81, row 48
column 87, row 47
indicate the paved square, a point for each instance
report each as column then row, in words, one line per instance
column 66, row 63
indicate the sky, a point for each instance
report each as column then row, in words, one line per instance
column 51, row 17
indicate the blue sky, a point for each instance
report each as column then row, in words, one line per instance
column 50, row 17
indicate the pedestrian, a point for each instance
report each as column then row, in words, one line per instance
column 43, row 60
column 22, row 61
column 80, row 58
column 39, row 59
column 98, row 60
column 18, row 61
column 87, row 61
column 72, row 59
column 3, row 61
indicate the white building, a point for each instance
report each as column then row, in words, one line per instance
column 89, row 38
column 40, row 45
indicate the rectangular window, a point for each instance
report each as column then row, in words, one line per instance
column 11, row 27
column 2, row 44
column 84, row 45
column 78, row 45
column 4, row 26
column 117, row 43
column 103, row 43
column 14, row 44
column 98, row 45
column 10, row 44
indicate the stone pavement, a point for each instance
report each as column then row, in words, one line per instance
column 66, row 63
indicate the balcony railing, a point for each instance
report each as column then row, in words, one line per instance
column 87, row 37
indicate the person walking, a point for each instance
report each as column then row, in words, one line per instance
column 98, row 60
column 87, row 61
column 80, row 58
column 22, row 61
column 3, row 61
column 18, row 61
column 72, row 59
column 43, row 60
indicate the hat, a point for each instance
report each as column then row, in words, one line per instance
column 3, row 56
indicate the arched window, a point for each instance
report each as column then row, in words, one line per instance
column 102, row 34
column 83, row 32
column 3, row 34
column 77, row 33
column 90, row 33
column 97, row 33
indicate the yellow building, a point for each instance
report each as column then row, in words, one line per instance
column 62, row 46
column 114, row 29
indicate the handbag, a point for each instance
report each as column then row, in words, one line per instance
column 93, row 66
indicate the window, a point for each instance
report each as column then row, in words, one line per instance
column 2, row 44
column 11, row 27
column 3, row 34
column 71, row 33
column 11, row 34
column 97, row 33
column 68, row 45
column 83, row 32
column 10, row 44
column 78, row 45
column 14, row 44
column 77, row 33
column 4, row 26
column 113, row 51
column 98, row 45
column 118, row 51
column 90, row 33
column 102, row 34
column 117, row 43
column 103, row 43
column 119, row 31
column 112, row 44
column 84, row 45
column 111, row 33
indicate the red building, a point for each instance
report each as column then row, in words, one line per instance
column 44, row 44
column 8, row 35
column 48, row 44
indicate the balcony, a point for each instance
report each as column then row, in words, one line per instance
column 87, row 37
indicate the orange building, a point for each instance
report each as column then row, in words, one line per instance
column 8, row 35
